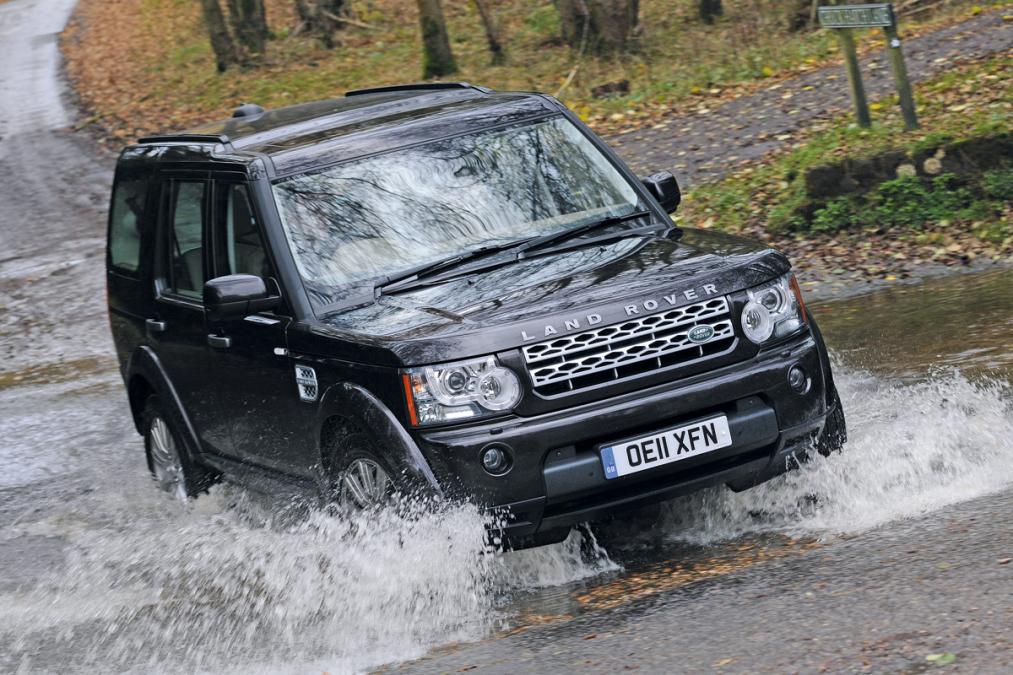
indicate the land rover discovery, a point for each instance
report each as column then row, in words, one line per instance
column 447, row 290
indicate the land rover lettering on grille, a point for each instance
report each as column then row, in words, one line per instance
column 634, row 309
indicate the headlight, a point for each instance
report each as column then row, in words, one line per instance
column 460, row 391
column 774, row 309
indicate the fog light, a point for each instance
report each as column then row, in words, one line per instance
column 798, row 379
column 495, row 460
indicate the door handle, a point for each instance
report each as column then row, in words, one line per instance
column 219, row 341
column 155, row 326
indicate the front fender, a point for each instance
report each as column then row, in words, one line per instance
column 353, row 402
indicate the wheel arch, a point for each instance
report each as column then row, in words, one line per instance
column 147, row 377
column 345, row 404
column 824, row 356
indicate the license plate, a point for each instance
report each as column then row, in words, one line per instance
column 665, row 447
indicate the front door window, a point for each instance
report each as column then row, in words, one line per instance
column 241, row 247
column 186, row 238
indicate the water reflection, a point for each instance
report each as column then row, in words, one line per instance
column 958, row 322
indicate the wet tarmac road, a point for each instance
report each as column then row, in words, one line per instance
column 871, row 559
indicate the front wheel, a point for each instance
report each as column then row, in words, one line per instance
column 361, row 476
column 364, row 483
column 835, row 432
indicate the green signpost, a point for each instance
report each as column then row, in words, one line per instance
column 857, row 16
column 844, row 18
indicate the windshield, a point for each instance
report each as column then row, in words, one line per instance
column 372, row 217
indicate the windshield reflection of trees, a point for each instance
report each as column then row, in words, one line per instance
column 537, row 280
column 366, row 218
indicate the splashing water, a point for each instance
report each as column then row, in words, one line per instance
column 913, row 447
column 228, row 586
column 233, row 584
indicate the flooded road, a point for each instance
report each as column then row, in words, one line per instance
column 879, row 555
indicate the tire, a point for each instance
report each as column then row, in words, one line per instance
column 835, row 432
column 168, row 458
column 361, row 478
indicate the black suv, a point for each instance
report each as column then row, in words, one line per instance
column 446, row 289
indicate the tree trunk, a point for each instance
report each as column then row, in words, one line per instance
column 218, row 32
column 600, row 26
column 800, row 14
column 710, row 10
column 437, row 59
column 249, row 23
column 491, row 32
column 321, row 18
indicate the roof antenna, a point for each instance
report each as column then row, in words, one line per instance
column 247, row 110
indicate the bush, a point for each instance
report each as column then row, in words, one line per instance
column 838, row 214
column 908, row 201
column 998, row 184
column 911, row 202
column 901, row 202
column 947, row 197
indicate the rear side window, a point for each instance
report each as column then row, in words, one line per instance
column 125, row 216
column 186, row 238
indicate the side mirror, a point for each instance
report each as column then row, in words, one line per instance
column 237, row 296
column 665, row 189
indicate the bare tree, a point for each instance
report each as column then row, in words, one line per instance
column 249, row 24
column 437, row 59
column 600, row 26
column 710, row 10
column 218, row 32
column 321, row 18
column 491, row 32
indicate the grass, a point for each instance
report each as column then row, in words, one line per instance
column 973, row 101
column 145, row 65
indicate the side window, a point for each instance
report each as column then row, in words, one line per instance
column 125, row 214
column 240, row 245
column 186, row 238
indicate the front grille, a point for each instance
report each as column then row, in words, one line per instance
column 629, row 348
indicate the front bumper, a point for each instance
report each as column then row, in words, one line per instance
column 557, row 479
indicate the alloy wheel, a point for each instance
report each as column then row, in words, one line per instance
column 166, row 464
column 364, row 485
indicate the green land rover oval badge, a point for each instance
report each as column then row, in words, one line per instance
column 700, row 334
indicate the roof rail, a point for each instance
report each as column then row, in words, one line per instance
column 421, row 86
column 186, row 138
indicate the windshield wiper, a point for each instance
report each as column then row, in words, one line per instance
column 413, row 278
column 549, row 239
column 410, row 276
column 405, row 277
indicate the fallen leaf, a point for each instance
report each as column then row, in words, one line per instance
column 943, row 659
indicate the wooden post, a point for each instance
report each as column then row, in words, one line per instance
column 843, row 18
column 907, row 101
column 846, row 40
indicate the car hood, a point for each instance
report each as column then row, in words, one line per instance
column 541, row 297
